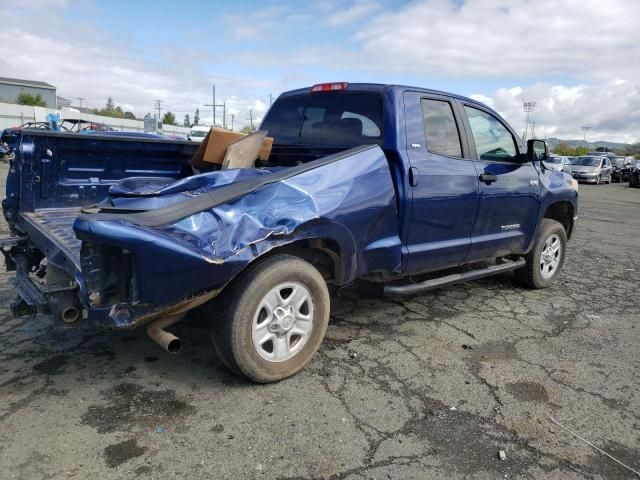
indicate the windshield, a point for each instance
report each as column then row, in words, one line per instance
column 197, row 133
column 334, row 118
column 588, row 161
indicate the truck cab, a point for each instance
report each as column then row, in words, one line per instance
column 454, row 162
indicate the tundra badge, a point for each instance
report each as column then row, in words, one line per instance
column 513, row 226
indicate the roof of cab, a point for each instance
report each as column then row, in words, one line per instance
column 380, row 87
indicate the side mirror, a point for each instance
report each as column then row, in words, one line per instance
column 537, row 150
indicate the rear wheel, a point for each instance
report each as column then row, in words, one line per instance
column 546, row 258
column 271, row 320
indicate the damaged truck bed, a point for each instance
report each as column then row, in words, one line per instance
column 377, row 182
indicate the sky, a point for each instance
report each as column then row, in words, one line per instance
column 579, row 60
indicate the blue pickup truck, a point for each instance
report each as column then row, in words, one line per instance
column 411, row 188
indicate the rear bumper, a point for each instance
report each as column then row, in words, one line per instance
column 128, row 316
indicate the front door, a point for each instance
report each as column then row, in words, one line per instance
column 509, row 186
column 444, row 184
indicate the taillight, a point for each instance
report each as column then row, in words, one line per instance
column 329, row 87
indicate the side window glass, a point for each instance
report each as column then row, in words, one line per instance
column 440, row 128
column 493, row 140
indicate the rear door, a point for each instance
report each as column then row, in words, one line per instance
column 509, row 187
column 444, row 184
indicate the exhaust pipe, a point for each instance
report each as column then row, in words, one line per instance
column 70, row 314
column 157, row 333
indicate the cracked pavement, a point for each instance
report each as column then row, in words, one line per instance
column 428, row 386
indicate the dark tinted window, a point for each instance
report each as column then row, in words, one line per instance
column 335, row 118
column 285, row 117
column 493, row 140
column 587, row 161
column 440, row 128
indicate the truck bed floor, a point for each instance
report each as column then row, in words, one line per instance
column 56, row 225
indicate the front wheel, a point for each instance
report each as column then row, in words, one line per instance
column 546, row 258
column 270, row 322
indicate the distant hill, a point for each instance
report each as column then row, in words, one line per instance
column 552, row 142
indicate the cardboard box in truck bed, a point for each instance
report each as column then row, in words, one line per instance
column 214, row 146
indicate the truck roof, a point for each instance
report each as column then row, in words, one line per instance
column 381, row 87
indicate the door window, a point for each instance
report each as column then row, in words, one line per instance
column 493, row 140
column 440, row 128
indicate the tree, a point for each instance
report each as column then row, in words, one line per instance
column 196, row 117
column 187, row 121
column 169, row 118
column 579, row 151
column 113, row 110
column 31, row 100
column 565, row 149
column 247, row 129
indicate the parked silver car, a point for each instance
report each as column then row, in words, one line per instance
column 558, row 163
column 592, row 169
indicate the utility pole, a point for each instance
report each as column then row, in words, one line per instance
column 232, row 115
column 214, row 105
column 158, row 106
column 270, row 99
column 585, row 129
column 80, row 99
column 533, row 129
column 224, row 114
column 527, row 107
column 251, row 119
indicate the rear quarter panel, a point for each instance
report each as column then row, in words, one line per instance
column 350, row 201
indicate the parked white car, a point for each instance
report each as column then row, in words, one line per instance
column 198, row 132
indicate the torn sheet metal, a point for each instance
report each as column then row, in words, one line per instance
column 350, row 201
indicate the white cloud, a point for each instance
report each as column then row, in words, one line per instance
column 97, row 70
column 496, row 38
column 611, row 110
column 592, row 45
column 483, row 99
column 355, row 12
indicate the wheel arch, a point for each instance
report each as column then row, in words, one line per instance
column 563, row 212
column 324, row 253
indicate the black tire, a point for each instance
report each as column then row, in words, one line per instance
column 531, row 275
column 233, row 315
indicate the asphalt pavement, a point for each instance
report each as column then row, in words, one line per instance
column 429, row 386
